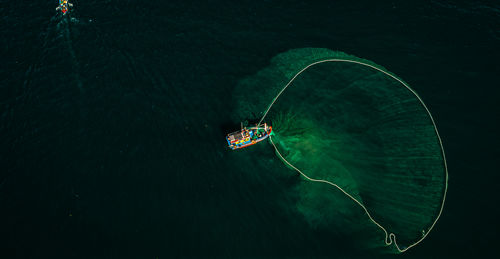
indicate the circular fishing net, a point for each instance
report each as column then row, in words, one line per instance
column 364, row 142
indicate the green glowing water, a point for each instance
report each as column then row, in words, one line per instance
column 358, row 128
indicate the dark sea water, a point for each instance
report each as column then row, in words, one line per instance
column 113, row 118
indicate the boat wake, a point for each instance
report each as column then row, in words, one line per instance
column 64, row 26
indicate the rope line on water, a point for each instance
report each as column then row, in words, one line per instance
column 389, row 237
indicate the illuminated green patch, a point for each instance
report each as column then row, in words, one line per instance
column 354, row 124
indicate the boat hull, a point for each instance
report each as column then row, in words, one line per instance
column 247, row 137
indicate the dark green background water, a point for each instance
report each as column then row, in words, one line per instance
column 112, row 124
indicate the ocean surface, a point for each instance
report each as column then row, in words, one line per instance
column 113, row 121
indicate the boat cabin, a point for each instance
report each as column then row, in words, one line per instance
column 248, row 136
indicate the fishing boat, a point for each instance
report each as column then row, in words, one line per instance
column 64, row 6
column 248, row 136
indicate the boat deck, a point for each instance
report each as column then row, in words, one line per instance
column 246, row 137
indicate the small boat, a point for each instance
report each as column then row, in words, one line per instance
column 64, row 6
column 248, row 136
